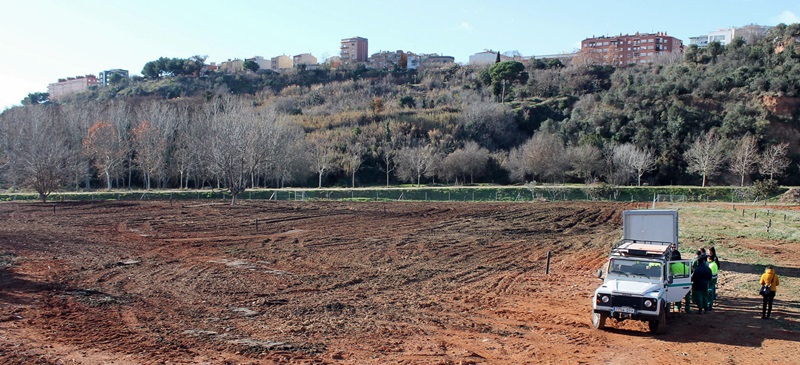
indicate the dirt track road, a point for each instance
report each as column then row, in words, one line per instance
column 343, row 283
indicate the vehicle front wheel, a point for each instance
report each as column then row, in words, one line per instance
column 659, row 326
column 599, row 320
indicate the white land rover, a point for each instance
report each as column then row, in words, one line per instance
column 642, row 281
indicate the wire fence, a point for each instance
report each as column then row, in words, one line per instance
column 452, row 194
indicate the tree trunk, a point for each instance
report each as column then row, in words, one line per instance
column 704, row 180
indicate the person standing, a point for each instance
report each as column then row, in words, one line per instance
column 700, row 278
column 769, row 278
column 712, row 285
column 712, row 252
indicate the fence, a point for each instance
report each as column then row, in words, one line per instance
column 469, row 194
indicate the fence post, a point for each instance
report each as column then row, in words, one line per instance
column 547, row 267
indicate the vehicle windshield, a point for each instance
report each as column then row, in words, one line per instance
column 628, row 267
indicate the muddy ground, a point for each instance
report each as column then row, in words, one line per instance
column 347, row 283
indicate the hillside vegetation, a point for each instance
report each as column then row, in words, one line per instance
column 724, row 115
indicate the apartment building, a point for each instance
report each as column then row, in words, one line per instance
column 71, row 85
column 304, row 59
column 724, row 36
column 628, row 49
column 231, row 66
column 108, row 76
column 388, row 60
column 281, row 63
column 263, row 63
column 487, row 57
column 354, row 50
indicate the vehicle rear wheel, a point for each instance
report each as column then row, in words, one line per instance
column 599, row 320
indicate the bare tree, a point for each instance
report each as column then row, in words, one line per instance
column 413, row 162
column 387, row 146
column 469, row 161
column 104, row 147
column 353, row 155
column 77, row 118
column 585, row 160
column 630, row 161
column 185, row 156
column 543, row 156
column 642, row 162
column 744, row 157
column 231, row 143
column 706, row 156
column 322, row 153
column 157, row 122
column 773, row 160
column 286, row 152
column 39, row 152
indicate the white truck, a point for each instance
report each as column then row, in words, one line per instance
column 643, row 278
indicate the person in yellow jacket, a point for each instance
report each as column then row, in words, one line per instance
column 770, row 278
column 712, row 285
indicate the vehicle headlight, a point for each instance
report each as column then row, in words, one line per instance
column 603, row 298
column 648, row 303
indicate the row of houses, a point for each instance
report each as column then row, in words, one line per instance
column 614, row 50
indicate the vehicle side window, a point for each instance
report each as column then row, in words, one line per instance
column 679, row 269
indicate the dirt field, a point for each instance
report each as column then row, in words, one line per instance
column 347, row 283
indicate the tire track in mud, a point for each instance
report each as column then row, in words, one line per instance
column 355, row 270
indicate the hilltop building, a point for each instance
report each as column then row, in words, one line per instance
column 565, row 58
column 231, row 66
column 263, row 63
column 724, row 36
column 354, row 50
column 628, row 49
column 333, row 62
column 281, row 63
column 434, row 60
column 487, row 57
column 71, row 85
column 388, row 60
column 304, row 59
column 106, row 77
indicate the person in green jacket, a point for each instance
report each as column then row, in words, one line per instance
column 712, row 285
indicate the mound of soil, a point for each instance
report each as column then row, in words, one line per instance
column 791, row 196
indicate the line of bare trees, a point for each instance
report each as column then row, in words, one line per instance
column 236, row 143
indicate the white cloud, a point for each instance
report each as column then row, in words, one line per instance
column 787, row 17
column 466, row 26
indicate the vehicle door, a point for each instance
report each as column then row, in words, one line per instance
column 681, row 273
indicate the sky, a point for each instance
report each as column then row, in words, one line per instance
column 44, row 40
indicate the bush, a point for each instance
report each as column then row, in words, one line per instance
column 763, row 189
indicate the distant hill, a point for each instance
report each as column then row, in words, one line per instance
column 663, row 108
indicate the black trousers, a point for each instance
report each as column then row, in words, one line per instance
column 766, row 309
